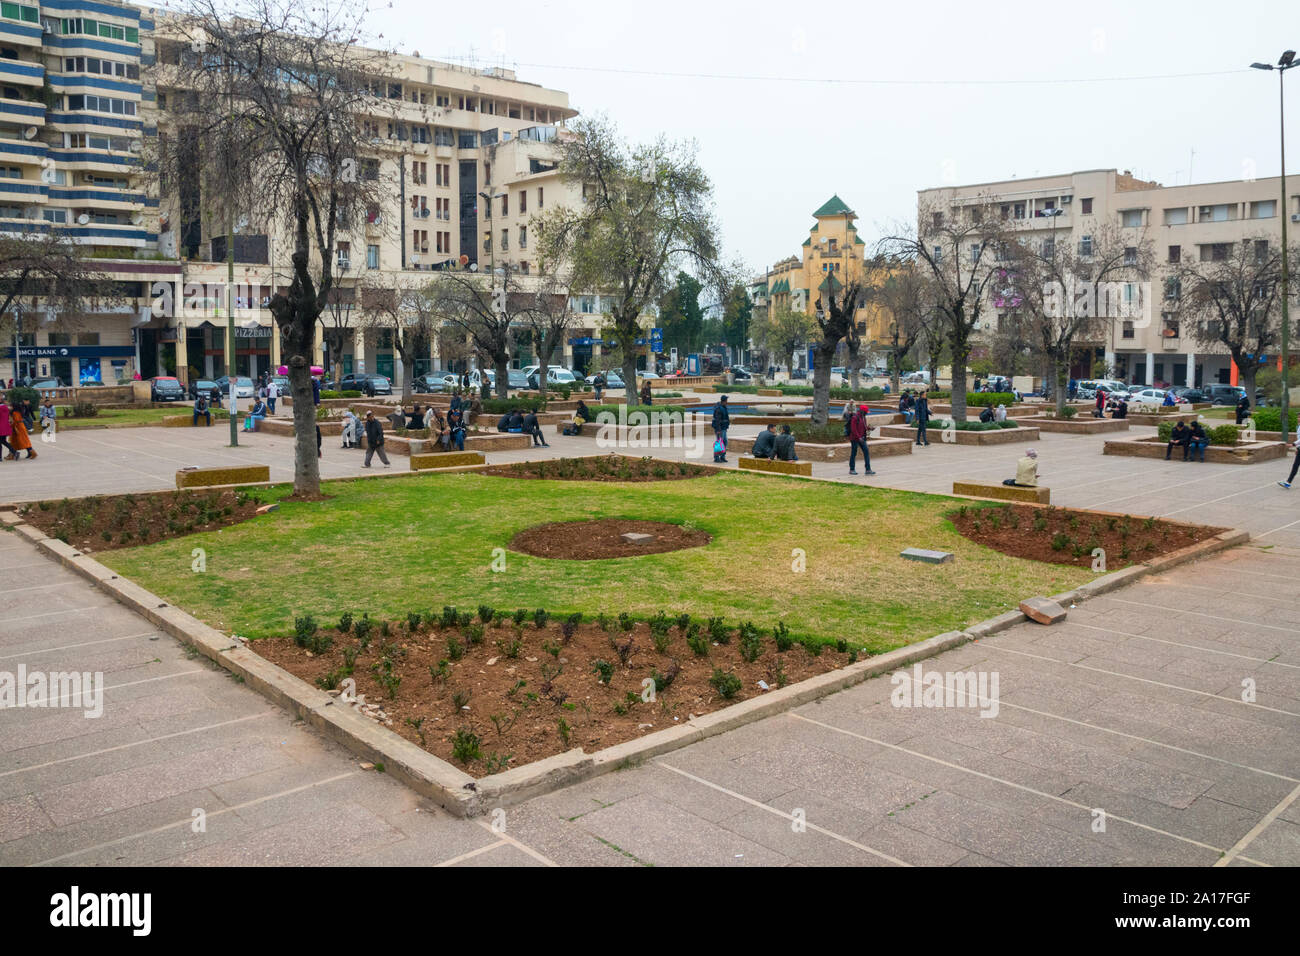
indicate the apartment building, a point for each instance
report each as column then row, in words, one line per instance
column 471, row 156
column 75, row 110
column 832, row 256
column 1201, row 220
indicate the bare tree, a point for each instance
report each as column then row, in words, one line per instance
column 783, row 331
column 547, row 316
column 906, row 295
column 485, row 309
column 404, row 308
column 269, row 109
column 45, row 272
column 1070, row 293
column 646, row 214
column 1231, row 296
column 955, row 245
column 834, row 317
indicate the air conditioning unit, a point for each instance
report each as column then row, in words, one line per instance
column 1066, row 200
column 345, row 264
column 1295, row 217
column 415, row 259
column 424, row 213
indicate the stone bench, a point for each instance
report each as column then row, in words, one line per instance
column 977, row 489
column 238, row 475
column 446, row 459
column 775, row 465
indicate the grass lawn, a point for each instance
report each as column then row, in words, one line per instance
column 131, row 416
column 391, row 546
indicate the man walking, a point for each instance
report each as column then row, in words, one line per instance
column 922, row 409
column 721, row 421
column 858, row 439
column 374, row 440
column 1295, row 464
column 272, row 393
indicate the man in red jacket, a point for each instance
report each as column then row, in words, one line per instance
column 858, row 439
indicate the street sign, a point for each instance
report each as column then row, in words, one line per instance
column 657, row 341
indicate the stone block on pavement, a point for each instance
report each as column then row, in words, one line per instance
column 1043, row 610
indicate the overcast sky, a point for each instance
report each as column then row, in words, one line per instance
column 777, row 148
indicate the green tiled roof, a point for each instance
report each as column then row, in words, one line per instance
column 835, row 206
column 808, row 241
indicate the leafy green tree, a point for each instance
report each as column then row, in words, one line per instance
column 737, row 314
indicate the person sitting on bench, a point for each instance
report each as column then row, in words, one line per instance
column 785, row 445
column 1026, row 471
column 1198, row 442
column 987, row 414
column 765, row 447
column 516, row 422
column 397, row 418
column 415, row 419
column 201, row 408
column 255, row 415
column 1181, row 435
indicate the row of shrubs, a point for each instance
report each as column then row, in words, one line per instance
column 348, row 393
column 941, row 424
column 1270, row 419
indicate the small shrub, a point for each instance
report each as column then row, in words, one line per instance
column 603, row 668
column 362, row 630
column 413, row 621
column 751, row 642
column 540, row 617
column 455, row 650
column 485, row 613
column 718, row 630
column 345, row 622
column 460, row 699
column 562, row 725
column 510, row 648
column 521, row 615
column 727, row 684
column 449, row 617
column 697, row 642
column 1060, row 541
column 466, row 746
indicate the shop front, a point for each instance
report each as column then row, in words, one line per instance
column 72, row 364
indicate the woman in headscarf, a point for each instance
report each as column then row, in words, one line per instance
column 1001, row 414
column 19, row 440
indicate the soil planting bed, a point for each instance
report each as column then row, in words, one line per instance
column 600, row 468
column 1063, row 536
column 102, row 523
column 603, row 538
column 519, row 693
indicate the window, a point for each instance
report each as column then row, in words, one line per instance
column 88, row 338
column 441, row 247
column 109, row 31
column 55, row 215
column 1261, row 251
column 938, row 253
column 20, row 11
column 540, row 198
column 1006, row 211
column 91, row 64
column 1049, row 248
column 1175, row 253
column 370, row 170
column 523, row 266
column 443, row 137
column 1219, row 213
column 1130, row 218
column 1130, row 255
column 420, row 240
column 1176, row 217
column 344, row 255
column 1085, row 206
column 974, row 252
column 1085, row 246
column 1128, row 329
column 1173, row 288
column 467, row 139
column 936, row 220
column 505, row 240
column 101, row 104
column 372, row 257
column 505, row 204
column 1265, row 209
column 1018, row 211
column 1215, row 252
column 441, row 99
column 523, row 201
column 11, row 172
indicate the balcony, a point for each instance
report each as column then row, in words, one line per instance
column 20, row 34
column 22, row 112
column 23, row 151
column 20, row 71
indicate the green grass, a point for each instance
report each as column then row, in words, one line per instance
column 398, row 545
column 131, row 416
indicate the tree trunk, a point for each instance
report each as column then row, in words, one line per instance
column 1060, row 382
column 960, row 353
column 822, row 381
column 855, row 379
column 406, row 375
column 503, row 376
column 542, row 367
column 306, row 465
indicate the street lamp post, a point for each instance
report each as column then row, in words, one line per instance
column 1285, row 62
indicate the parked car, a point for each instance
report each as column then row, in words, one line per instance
column 204, row 385
column 430, row 383
column 555, row 375
column 364, row 382
column 799, row 373
column 740, row 373
column 1225, row 394
column 165, row 388
column 244, row 387
column 281, row 382
column 1188, row 394
column 516, row 378
column 45, row 383
column 646, row 375
column 1147, row 396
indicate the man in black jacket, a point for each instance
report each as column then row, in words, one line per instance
column 765, row 447
column 922, row 418
column 1181, row 435
column 721, row 420
column 1243, row 409
column 374, row 440
column 531, row 427
column 785, row 445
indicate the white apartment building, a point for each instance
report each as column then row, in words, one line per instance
column 1200, row 220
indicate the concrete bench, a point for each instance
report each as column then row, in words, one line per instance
column 977, row 489
column 775, row 465
column 446, row 459
column 187, row 421
column 240, row 475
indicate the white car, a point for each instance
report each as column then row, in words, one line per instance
column 1147, row 396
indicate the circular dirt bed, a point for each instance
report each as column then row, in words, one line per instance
column 603, row 538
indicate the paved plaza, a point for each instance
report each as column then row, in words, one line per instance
column 1131, row 712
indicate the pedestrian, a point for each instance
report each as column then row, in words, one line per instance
column 531, row 427
column 721, row 421
column 598, row 386
column 785, row 449
column 370, row 388
column 1181, row 435
column 351, row 425
column 272, row 393
column 6, row 428
column 1243, row 408
column 645, row 393
column 1295, row 464
column 922, row 410
column 19, row 439
column 1100, row 410
column 374, row 440
column 315, row 391
column 201, row 408
column 47, row 414
column 858, row 439
column 1199, row 442
column 1001, row 414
